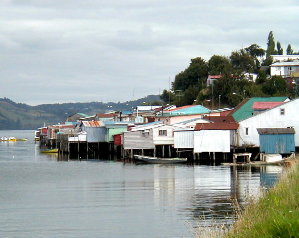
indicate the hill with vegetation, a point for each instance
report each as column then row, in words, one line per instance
column 190, row 85
column 22, row 116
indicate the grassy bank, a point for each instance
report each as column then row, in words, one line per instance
column 276, row 214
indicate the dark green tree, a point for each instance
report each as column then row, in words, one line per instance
column 219, row 65
column 255, row 51
column 279, row 48
column 276, row 86
column 242, row 61
column 195, row 74
column 262, row 77
column 270, row 45
column 289, row 50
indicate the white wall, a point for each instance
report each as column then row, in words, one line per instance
column 162, row 139
column 212, row 141
column 270, row 119
column 184, row 139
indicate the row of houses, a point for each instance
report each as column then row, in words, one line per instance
column 262, row 124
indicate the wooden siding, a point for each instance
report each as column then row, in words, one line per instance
column 138, row 140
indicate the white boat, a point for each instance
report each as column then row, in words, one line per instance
column 157, row 160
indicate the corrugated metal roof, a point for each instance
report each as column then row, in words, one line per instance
column 244, row 109
column 106, row 115
column 216, row 126
column 93, row 123
column 222, row 119
column 265, row 105
column 293, row 63
column 275, row 131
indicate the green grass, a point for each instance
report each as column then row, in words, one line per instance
column 276, row 214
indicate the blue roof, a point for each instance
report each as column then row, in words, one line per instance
column 197, row 109
column 127, row 112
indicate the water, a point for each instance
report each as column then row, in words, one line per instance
column 41, row 196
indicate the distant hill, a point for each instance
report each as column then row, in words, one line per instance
column 22, row 116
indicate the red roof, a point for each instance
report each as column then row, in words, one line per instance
column 106, row 115
column 215, row 76
column 92, row 123
column 216, row 126
column 222, row 119
column 265, row 105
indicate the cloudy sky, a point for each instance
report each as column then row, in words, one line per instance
column 55, row 51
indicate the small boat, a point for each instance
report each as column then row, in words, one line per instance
column 55, row 150
column 157, row 160
column 21, row 139
column 8, row 139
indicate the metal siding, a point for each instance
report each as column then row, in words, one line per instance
column 277, row 144
column 95, row 134
column 212, row 141
column 114, row 131
column 184, row 139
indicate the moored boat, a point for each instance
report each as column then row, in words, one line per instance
column 55, row 150
column 157, row 160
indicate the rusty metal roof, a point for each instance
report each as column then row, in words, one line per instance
column 224, row 119
column 275, row 131
column 216, row 126
column 93, row 123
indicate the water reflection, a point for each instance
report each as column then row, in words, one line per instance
column 90, row 198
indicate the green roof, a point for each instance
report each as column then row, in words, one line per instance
column 244, row 110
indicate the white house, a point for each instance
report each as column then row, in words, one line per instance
column 283, row 116
column 284, row 58
column 285, row 69
column 214, row 137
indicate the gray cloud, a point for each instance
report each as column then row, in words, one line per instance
column 73, row 50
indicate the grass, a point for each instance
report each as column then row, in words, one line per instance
column 276, row 214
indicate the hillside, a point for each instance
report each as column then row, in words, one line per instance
column 22, row 116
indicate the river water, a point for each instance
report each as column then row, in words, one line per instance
column 42, row 196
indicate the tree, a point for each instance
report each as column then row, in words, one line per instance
column 255, row 51
column 289, row 50
column 195, row 74
column 279, row 48
column 276, row 86
column 242, row 61
column 270, row 45
column 219, row 65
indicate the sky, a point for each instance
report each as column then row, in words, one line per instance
column 57, row 51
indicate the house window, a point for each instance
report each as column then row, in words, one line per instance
column 246, row 131
column 282, row 111
column 162, row 132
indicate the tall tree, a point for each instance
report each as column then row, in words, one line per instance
column 289, row 50
column 255, row 50
column 279, row 48
column 219, row 65
column 242, row 61
column 270, row 45
column 195, row 74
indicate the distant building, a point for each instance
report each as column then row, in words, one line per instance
column 284, row 58
column 212, row 78
column 285, row 69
